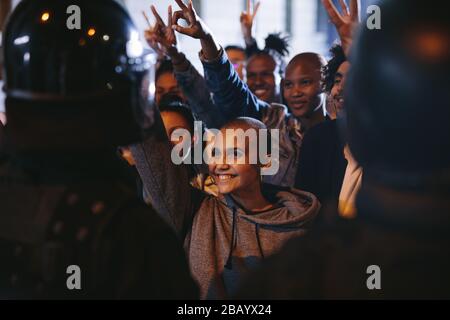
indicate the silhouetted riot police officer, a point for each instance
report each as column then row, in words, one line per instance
column 397, row 102
column 70, row 225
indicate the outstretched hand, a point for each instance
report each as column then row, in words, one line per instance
column 196, row 28
column 161, row 37
column 344, row 22
column 247, row 18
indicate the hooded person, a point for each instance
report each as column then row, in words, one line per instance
column 227, row 235
column 397, row 118
column 233, row 98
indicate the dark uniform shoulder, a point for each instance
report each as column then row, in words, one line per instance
column 121, row 246
column 150, row 257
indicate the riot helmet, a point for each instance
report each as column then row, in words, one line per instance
column 76, row 76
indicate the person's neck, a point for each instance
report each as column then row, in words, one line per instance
column 315, row 118
column 252, row 200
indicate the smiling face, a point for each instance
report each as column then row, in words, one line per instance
column 261, row 78
column 231, row 168
column 337, row 92
column 302, row 85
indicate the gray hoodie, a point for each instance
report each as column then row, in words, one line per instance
column 222, row 240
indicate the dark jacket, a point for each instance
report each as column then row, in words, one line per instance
column 322, row 164
column 198, row 95
column 405, row 234
column 57, row 211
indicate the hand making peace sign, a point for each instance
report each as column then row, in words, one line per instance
column 247, row 18
column 161, row 37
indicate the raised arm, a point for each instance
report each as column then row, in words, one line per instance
column 246, row 19
column 230, row 94
column 345, row 22
column 161, row 37
column 166, row 184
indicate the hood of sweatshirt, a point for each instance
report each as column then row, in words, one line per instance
column 226, row 241
column 301, row 207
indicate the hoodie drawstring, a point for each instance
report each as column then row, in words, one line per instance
column 229, row 264
column 258, row 240
column 231, row 203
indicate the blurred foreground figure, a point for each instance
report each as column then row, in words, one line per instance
column 398, row 115
column 70, row 225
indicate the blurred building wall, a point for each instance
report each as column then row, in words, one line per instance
column 223, row 18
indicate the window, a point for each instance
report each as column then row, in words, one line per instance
column 288, row 16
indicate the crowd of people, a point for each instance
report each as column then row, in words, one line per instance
column 87, row 175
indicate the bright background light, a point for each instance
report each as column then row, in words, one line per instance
column 305, row 20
